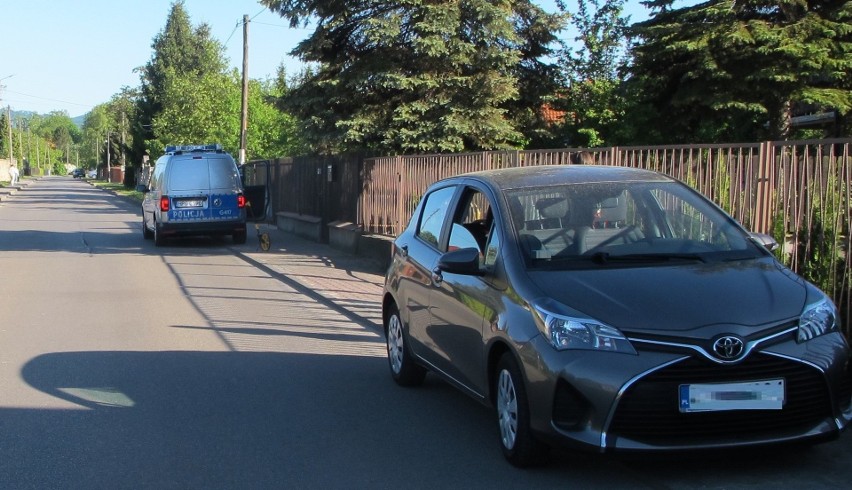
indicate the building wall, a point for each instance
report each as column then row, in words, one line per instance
column 4, row 169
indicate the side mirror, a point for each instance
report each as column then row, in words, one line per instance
column 767, row 241
column 461, row 261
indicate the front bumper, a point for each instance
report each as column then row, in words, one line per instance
column 608, row 401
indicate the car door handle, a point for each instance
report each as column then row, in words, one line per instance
column 437, row 276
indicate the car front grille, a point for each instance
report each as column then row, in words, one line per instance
column 648, row 411
column 844, row 397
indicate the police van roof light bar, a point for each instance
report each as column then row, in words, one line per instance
column 182, row 148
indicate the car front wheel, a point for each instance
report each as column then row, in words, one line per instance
column 403, row 369
column 513, row 416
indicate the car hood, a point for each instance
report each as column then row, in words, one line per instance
column 679, row 297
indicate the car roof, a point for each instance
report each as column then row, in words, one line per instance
column 546, row 175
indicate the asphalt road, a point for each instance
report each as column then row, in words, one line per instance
column 124, row 365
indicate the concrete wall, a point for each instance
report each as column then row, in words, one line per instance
column 4, row 169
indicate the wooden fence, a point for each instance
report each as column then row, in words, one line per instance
column 326, row 187
column 798, row 191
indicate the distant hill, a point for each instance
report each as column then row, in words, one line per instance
column 27, row 114
column 23, row 114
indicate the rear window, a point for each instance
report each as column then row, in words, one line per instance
column 203, row 173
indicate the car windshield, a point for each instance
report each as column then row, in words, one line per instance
column 623, row 223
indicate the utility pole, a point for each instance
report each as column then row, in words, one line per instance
column 244, row 114
column 108, row 176
column 21, row 141
column 9, row 118
column 29, row 146
column 123, row 136
column 11, row 141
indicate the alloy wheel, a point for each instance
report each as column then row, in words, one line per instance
column 395, row 343
column 507, row 409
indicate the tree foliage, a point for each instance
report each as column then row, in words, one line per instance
column 42, row 142
column 111, row 124
column 593, row 70
column 181, row 53
column 4, row 135
column 737, row 69
column 208, row 109
column 187, row 97
column 539, row 78
column 409, row 76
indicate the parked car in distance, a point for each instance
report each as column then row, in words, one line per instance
column 78, row 173
column 194, row 190
column 611, row 309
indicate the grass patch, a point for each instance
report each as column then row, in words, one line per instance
column 119, row 189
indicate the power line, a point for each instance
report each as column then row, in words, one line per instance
column 255, row 15
column 47, row 98
column 275, row 25
column 239, row 22
column 237, row 25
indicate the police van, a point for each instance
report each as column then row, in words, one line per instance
column 194, row 190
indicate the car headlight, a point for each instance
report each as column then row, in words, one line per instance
column 817, row 319
column 565, row 333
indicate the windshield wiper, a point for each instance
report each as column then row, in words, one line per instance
column 605, row 257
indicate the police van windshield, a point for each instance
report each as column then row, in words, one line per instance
column 206, row 173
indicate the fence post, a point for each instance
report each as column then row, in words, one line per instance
column 765, row 189
column 397, row 220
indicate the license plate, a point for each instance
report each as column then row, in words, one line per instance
column 752, row 395
column 189, row 203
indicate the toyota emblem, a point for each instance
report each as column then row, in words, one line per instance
column 728, row 347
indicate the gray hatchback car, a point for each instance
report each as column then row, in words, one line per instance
column 609, row 308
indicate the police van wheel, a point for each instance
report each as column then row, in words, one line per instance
column 159, row 240
column 239, row 237
column 146, row 233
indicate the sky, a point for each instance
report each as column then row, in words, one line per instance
column 71, row 55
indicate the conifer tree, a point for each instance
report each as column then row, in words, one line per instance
column 737, row 69
column 407, row 76
column 180, row 52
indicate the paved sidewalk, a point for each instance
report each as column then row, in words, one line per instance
column 10, row 190
column 351, row 282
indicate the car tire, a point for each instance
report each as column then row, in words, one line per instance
column 239, row 237
column 402, row 366
column 159, row 240
column 519, row 445
column 146, row 233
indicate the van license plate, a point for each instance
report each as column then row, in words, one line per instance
column 189, row 203
column 752, row 395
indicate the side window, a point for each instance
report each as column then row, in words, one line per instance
column 472, row 222
column 223, row 173
column 435, row 209
column 157, row 176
